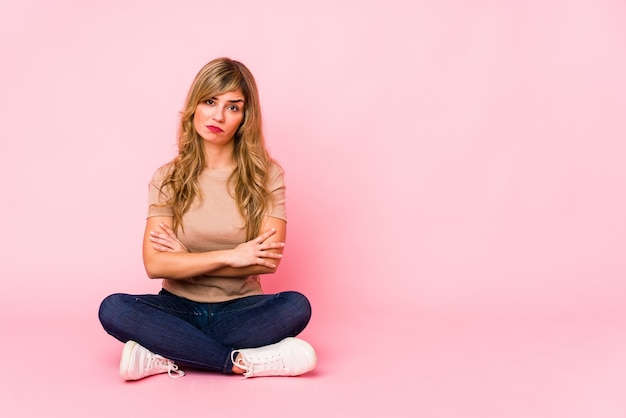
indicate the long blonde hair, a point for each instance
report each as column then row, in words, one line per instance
column 252, row 161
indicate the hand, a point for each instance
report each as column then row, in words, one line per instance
column 166, row 240
column 256, row 252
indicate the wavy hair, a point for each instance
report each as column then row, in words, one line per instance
column 251, row 159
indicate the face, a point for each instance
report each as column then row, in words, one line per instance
column 217, row 119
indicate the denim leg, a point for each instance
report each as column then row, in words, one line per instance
column 166, row 325
column 254, row 321
column 202, row 335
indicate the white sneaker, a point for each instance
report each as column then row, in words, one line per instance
column 139, row 362
column 289, row 357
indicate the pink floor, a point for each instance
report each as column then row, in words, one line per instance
column 442, row 157
column 388, row 364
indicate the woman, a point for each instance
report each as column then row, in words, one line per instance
column 216, row 221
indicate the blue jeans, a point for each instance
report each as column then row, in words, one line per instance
column 202, row 335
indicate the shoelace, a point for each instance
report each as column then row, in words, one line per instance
column 172, row 370
column 256, row 365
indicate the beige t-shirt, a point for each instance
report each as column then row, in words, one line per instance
column 213, row 223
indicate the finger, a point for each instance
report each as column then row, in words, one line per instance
column 157, row 238
column 265, row 235
column 263, row 262
column 165, row 227
column 270, row 254
column 164, row 243
column 161, row 248
column 157, row 235
column 169, row 231
column 273, row 245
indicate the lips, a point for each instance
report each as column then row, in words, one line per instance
column 215, row 129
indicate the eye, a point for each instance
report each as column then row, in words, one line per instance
column 210, row 102
column 233, row 108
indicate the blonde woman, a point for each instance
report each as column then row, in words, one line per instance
column 216, row 222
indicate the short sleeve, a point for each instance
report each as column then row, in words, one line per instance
column 276, row 186
column 157, row 196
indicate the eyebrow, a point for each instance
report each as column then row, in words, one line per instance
column 230, row 101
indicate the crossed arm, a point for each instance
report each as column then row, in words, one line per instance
column 164, row 256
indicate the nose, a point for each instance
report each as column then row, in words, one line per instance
column 218, row 114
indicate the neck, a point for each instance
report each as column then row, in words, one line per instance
column 218, row 158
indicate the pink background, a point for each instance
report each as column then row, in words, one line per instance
column 456, row 196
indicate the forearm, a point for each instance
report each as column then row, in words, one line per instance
column 179, row 265
column 166, row 257
column 228, row 271
column 186, row 265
